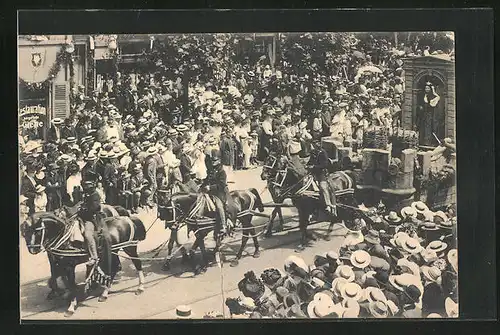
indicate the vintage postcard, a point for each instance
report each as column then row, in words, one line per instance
column 249, row 175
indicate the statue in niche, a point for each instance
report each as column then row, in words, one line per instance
column 430, row 116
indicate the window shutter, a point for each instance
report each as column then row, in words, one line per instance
column 60, row 98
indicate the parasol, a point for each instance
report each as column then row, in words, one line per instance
column 369, row 68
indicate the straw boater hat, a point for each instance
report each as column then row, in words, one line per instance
column 404, row 280
column 408, row 267
column 351, row 291
column 57, row 121
column 345, row 271
column 408, row 212
column 181, row 128
column 432, row 273
column 420, row 206
column 320, row 307
column 398, row 239
column 373, row 237
column 451, row 308
column 437, row 246
column 428, row 256
column 439, row 217
column 337, row 284
column 360, row 259
column 378, row 309
column 91, row 156
column 392, row 218
column 183, row 312
column 372, row 294
column 351, row 308
column 152, row 150
column 453, row 259
column 411, row 245
column 429, row 226
column 65, row 158
column 31, row 146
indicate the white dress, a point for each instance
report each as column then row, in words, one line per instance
column 199, row 167
column 40, row 202
column 71, row 183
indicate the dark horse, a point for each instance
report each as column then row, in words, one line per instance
column 45, row 231
column 285, row 184
column 241, row 205
column 67, row 213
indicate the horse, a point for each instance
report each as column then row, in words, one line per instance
column 66, row 212
column 182, row 208
column 285, row 184
column 45, row 231
column 269, row 173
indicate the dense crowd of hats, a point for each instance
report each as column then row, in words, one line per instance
column 383, row 269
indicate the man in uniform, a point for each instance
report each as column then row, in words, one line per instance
column 319, row 163
column 216, row 186
column 90, row 213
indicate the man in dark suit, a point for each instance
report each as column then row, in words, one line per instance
column 55, row 134
column 28, row 188
column 319, row 163
column 216, row 186
column 110, row 179
column 68, row 130
column 90, row 213
column 227, row 152
column 90, row 168
column 53, row 189
column 326, row 120
column 150, row 170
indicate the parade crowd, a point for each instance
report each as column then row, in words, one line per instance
column 147, row 130
column 400, row 265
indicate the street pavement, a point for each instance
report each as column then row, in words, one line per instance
column 178, row 286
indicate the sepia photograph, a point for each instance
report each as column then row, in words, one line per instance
column 277, row 175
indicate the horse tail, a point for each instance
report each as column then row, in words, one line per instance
column 258, row 200
column 121, row 211
column 140, row 230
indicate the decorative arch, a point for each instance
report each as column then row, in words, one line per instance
column 429, row 72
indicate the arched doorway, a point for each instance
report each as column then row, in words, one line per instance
column 430, row 109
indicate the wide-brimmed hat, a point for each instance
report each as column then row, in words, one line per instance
column 398, row 239
column 65, row 158
column 372, row 294
column 91, row 156
column 296, row 261
column 372, row 237
column 453, row 259
column 345, row 271
column 337, row 284
column 420, row 206
column 173, row 132
column 411, row 245
column 57, row 121
column 152, row 150
column 332, row 256
column 451, row 308
column 320, row 307
column 428, row 256
column 392, row 217
column 437, row 246
column 429, row 226
column 31, row 146
column 432, row 273
column 404, row 280
column 408, row 212
column 378, row 309
column 183, row 312
column 439, row 217
column 360, row 259
column 408, row 267
column 181, row 128
column 353, row 237
column 351, row 291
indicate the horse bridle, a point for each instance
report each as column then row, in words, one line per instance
column 41, row 244
column 174, row 208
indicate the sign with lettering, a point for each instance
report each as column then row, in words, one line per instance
column 32, row 120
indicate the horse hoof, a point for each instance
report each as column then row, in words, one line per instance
column 139, row 291
column 234, row 263
column 256, row 254
column 68, row 314
column 165, row 267
column 102, row 299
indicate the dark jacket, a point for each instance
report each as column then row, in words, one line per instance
column 150, row 168
column 320, row 163
column 91, row 206
column 109, row 176
column 89, row 170
column 227, row 151
column 28, row 189
column 68, row 131
column 185, row 167
column 53, row 136
column 217, row 183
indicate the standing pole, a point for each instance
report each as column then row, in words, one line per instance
column 219, row 264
